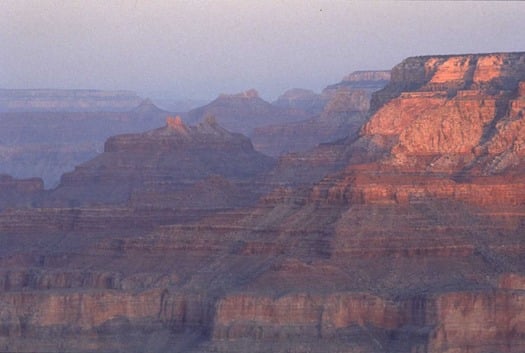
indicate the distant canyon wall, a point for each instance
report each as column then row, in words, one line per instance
column 66, row 100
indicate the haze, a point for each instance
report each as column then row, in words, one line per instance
column 200, row 49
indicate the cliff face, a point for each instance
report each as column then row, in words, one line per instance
column 174, row 166
column 342, row 110
column 442, row 73
column 414, row 218
column 384, row 247
column 458, row 113
column 301, row 99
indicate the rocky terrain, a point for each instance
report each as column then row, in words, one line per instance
column 242, row 112
column 48, row 144
column 177, row 166
column 45, row 133
column 406, row 237
column 336, row 113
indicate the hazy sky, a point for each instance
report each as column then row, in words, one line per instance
column 198, row 49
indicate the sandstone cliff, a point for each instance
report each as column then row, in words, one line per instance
column 460, row 109
column 370, row 244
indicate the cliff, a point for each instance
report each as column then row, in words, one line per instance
column 434, row 175
column 180, row 166
column 461, row 109
column 451, row 73
column 369, row 244
column 336, row 113
column 301, row 99
column 371, row 80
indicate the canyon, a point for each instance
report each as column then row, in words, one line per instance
column 339, row 111
column 46, row 133
column 64, row 100
column 405, row 235
column 242, row 112
column 46, row 144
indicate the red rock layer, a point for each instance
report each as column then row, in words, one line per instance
column 395, row 251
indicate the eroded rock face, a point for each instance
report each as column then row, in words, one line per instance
column 451, row 73
column 301, row 99
column 176, row 166
column 450, row 113
column 48, row 144
column 342, row 111
column 407, row 238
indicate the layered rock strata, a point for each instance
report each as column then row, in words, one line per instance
column 380, row 249
column 341, row 110
column 176, row 166
column 19, row 192
column 48, row 144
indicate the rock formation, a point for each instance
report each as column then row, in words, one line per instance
column 370, row 80
column 48, row 144
column 405, row 238
column 243, row 112
column 338, row 112
column 308, row 101
column 175, row 166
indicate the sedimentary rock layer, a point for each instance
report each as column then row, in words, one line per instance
column 405, row 238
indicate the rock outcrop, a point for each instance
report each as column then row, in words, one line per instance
column 179, row 166
column 459, row 113
column 370, row 81
column 301, row 99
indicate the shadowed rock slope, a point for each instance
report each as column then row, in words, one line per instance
column 393, row 250
column 243, row 112
column 342, row 109
column 177, row 166
column 47, row 144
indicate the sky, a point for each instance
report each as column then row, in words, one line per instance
column 199, row 49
